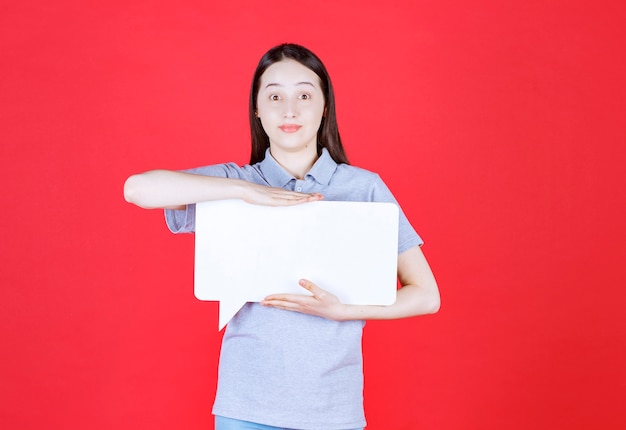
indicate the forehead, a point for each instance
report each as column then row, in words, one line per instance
column 288, row 73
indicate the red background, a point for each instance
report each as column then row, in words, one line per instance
column 498, row 125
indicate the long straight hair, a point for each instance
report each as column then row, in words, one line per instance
column 328, row 133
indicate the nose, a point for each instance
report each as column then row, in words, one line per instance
column 291, row 109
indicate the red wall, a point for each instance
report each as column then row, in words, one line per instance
column 498, row 125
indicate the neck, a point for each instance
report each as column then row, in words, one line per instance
column 296, row 163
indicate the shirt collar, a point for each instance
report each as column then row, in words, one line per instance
column 277, row 176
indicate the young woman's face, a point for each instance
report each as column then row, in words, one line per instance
column 290, row 105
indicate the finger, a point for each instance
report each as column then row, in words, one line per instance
column 292, row 198
column 287, row 201
column 285, row 305
column 294, row 298
column 310, row 286
column 281, row 304
column 279, row 193
column 301, row 199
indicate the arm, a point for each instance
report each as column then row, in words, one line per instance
column 418, row 295
column 168, row 189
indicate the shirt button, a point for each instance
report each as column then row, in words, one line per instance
column 298, row 189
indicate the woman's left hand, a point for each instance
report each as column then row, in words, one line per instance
column 321, row 303
column 419, row 295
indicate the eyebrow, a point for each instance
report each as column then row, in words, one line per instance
column 273, row 84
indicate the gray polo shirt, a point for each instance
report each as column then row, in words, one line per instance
column 282, row 368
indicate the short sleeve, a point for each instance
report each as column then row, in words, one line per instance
column 181, row 221
column 407, row 236
column 184, row 221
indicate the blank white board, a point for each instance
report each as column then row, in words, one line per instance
column 245, row 252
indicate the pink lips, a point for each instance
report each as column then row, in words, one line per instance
column 290, row 128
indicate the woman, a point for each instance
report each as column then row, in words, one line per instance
column 292, row 361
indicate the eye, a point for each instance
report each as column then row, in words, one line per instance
column 274, row 97
column 305, row 96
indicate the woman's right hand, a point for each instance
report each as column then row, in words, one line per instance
column 166, row 189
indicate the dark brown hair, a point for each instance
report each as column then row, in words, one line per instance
column 328, row 133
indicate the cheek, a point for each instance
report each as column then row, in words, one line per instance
column 317, row 114
column 268, row 124
column 320, row 110
column 265, row 112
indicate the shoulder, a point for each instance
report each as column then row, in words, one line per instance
column 354, row 173
column 366, row 181
column 225, row 170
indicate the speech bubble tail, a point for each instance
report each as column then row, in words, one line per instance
column 228, row 309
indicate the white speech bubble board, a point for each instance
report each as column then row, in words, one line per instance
column 245, row 252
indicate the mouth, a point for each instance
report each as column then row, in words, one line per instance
column 290, row 128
